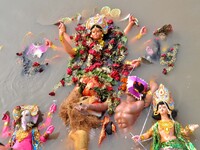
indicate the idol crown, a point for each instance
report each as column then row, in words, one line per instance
column 162, row 94
column 97, row 20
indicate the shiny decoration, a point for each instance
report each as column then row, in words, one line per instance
column 97, row 20
column 162, row 95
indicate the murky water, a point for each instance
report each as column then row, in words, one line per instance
column 19, row 17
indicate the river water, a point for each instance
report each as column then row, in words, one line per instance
column 17, row 18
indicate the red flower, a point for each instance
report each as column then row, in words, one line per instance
column 96, row 78
column 163, row 55
column 107, row 51
column 92, row 67
column 125, row 73
column 36, row 64
column 115, row 65
column 119, row 87
column 97, row 64
column 171, row 65
column 62, row 82
column 78, row 37
column 87, row 69
column 52, row 93
column 117, row 78
column 76, row 67
column 116, row 99
column 164, row 71
column 112, row 41
column 93, row 52
column 119, row 33
column 110, row 21
column 69, row 71
column 92, row 44
column 109, row 88
column 19, row 54
column 80, row 28
column 119, row 46
column 74, row 79
column 115, row 75
column 71, row 37
column 81, row 52
column 84, row 43
column 171, row 49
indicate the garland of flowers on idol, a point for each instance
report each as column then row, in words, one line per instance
column 101, row 59
column 169, row 58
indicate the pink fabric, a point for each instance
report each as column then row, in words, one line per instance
column 26, row 144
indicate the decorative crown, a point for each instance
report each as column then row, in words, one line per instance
column 34, row 110
column 162, row 94
column 97, row 20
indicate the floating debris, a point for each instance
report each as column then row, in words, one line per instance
column 68, row 20
column 1, row 47
column 114, row 13
column 125, row 18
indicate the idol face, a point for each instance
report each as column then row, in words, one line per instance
column 96, row 33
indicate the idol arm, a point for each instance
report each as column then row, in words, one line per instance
column 131, row 23
column 48, row 120
column 65, row 40
column 189, row 129
column 146, row 135
column 6, row 130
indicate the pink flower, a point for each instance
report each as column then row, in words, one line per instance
column 69, row 71
column 171, row 49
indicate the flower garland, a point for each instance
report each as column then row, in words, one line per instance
column 102, row 60
column 169, row 58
